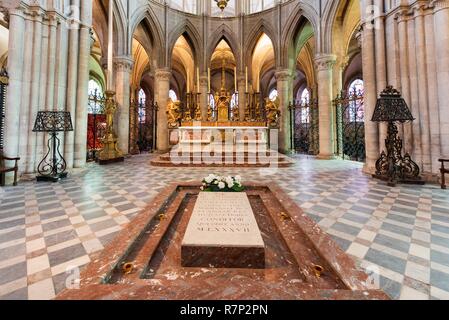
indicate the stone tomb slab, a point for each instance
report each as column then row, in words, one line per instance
column 294, row 247
column 223, row 233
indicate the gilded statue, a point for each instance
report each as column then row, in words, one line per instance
column 198, row 114
column 210, row 116
column 273, row 112
column 173, row 113
column 223, row 103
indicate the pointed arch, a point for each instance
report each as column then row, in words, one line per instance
column 145, row 14
column 302, row 14
column 191, row 34
column 263, row 27
column 226, row 34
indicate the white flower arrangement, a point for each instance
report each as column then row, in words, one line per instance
column 214, row 183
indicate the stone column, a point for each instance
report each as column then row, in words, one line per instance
column 26, row 94
column 325, row 64
column 369, row 77
column 404, row 75
column 161, row 88
column 381, row 66
column 283, row 78
column 83, row 82
column 420, row 45
column 123, row 67
column 37, row 75
column 441, row 19
column 72, row 82
column 14, row 96
column 204, row 98
column 432, row 89
column 242, row 95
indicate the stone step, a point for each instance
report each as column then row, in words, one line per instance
column 161, row 163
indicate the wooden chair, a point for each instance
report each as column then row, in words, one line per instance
column 4, row 169
column 443, row 172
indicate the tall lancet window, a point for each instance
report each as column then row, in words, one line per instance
column 305, row 103
column 172, row 95
column 356, row 105
column 142, row 106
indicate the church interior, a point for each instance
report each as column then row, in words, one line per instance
column 224, row 149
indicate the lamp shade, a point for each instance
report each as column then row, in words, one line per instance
column 391, row 107
column 53, row 121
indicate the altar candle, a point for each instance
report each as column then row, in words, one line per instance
column 188, row 82
column 197, row 79
column 208, row 79
column 235, row 79
column 246, row 78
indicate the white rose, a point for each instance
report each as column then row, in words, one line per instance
column 209, row 179
column 221, row 185
column 238, row 178
column 230, row 182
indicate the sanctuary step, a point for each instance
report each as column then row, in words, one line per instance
column 225, row 159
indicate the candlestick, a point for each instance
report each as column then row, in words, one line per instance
column 110, row 45
column 235, row 79
column 188, row 82
column 208, row 80
column 246, row 78
column 197, row 79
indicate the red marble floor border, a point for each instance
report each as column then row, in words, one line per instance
column 94, row 279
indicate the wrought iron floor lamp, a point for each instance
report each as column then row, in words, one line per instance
column 392, row 166
column 53, row 167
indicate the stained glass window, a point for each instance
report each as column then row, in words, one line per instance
column 356, row 106
column 273, row 95
column 305, row 103
column 173, row 96
column 142, row 106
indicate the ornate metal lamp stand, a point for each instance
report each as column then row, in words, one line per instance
column 110, row 152
column 392, row 166
column 53, row 167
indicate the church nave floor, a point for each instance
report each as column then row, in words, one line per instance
column 45, row 228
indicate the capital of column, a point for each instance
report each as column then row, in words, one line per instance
column 204, row 80
column 283, row 75
column 439, row 5
column 123, row 64
column 325, row 61
column 162, row 75
column 419, row 8
column 402, row 15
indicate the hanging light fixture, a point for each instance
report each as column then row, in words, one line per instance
column 222, row 4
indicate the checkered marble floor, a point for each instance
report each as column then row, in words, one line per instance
column 47, row 228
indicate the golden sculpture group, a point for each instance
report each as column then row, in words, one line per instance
column 110, row 151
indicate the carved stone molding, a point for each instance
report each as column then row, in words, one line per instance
column 162, row 75
column 325, row 62
column 123, row 64
column 283, row 75
column 439, row 5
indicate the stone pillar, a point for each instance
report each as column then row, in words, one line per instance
column 26, row 94
column 441, row 19
column 420, row 45
column 432, row 90
column 14, row 97
column 83, row 82
column 204, row 97
column 325, row 64
column 242, row 96
column 123, row 68
column 161, row 88
column 283, row 78
column 72, row 81
column 404, row 75
column 381, row 66
column 369, row 77
column 36, row 86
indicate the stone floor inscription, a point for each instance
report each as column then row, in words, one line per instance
column 223, row 232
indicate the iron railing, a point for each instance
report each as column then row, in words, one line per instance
column 350, row 116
